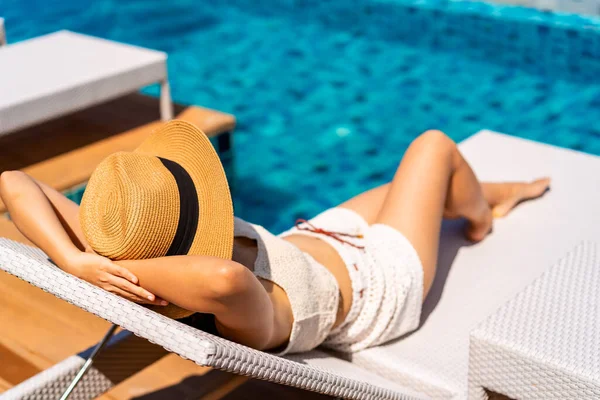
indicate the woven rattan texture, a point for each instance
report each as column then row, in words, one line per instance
column 32, row 266
column 545, row 342
column 52, row 383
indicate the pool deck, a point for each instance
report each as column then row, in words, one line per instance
column 38, row 330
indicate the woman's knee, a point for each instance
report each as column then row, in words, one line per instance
column 435, row 139
column 435, row 144
column 432, row 150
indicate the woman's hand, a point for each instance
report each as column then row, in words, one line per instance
column 102, row 272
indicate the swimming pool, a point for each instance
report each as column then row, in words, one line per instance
column 329, row 94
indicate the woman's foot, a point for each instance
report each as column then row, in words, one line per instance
column 503, row 197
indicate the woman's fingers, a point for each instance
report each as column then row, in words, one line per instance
column 125, row 284
column 123, row 272
column 120, row 292
column 141, row 294
column 160, row 302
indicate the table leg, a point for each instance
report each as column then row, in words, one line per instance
column 166, row 105
column 2, row 33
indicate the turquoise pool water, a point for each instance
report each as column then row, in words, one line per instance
column 329, row 94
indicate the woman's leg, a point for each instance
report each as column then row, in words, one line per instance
column 501, row 197
column 431, row 175
column 434, row 181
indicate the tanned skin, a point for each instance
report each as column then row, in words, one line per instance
column 432, row 182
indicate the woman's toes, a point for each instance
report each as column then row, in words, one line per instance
column 521, row 192
column 535, row 189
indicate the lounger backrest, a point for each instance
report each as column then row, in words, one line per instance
column 346, row 381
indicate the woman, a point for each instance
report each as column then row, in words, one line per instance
column 156, row 226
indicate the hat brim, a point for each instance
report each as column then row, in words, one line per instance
column 185, row 144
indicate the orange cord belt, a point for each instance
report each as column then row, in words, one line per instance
column 339, row 236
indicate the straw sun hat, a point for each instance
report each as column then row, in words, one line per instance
column 168, row 197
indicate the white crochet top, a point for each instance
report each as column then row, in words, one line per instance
column 312, row 290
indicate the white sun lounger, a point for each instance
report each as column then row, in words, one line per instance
column 63, row 72
column 472, row 283
column 343, row 379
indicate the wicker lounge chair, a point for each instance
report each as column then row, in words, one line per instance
column 473, row 282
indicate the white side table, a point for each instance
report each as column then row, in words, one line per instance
column 545, row 342
column 64, row 72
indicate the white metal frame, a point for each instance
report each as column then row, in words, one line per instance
column 2, row 32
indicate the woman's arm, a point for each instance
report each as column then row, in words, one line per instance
column 242, row 307
column 34, row 215
column 50, row 221
column 67, row 212
column 227, row 289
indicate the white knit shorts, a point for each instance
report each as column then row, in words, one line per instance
column 386, row 276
